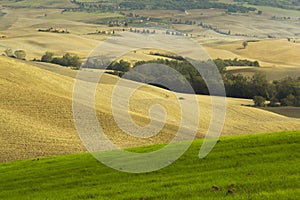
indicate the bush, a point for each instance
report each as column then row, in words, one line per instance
column 288, row 101
column 9, row 53
column 259, row 101
column 20, row 54
column 274, row 103
column 121, row 66
column 48, row 57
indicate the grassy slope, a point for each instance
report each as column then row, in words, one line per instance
column 255, row 167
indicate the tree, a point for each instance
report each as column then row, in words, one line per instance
column 260, row 12
column 245, row 44
column 66, row 60
column 289, row 100
column 122, row 66
column 20, row 54
column 237, row 86
column 259, row 86
column 75, row 61
column 9, row 53
column 259, row 101
column 274, row 103
column 48, row 57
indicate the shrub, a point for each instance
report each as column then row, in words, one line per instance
column 245, row 44
column 122, row 66
column 48, row 57
column 289, row 100
column 20, row 54
column 259, row 101
column 274, row 103
column 9, row 53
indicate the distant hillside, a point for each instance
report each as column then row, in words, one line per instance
column 278, row 57
column 159, row 5
column 288, row 4
column 38, row 3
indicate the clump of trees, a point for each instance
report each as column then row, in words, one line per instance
column 120, row 66
column 285, row 92
column 288, row 91
column 236, row 62
column 67, row 60
column 18, row 54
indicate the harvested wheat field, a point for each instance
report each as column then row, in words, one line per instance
column 278, row 57
column 275, row 51
column 36, row 112
column 21, row 30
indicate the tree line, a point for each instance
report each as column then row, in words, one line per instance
column 67, row 60
column 236, row 62
column 285, row 92
column 159, row 5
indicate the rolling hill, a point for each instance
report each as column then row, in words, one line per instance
column 37, row 121
column 278, row 57
column 275, row 51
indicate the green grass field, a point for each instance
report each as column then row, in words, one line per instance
column 253, row 167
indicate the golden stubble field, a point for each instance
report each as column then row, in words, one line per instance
column 278, row 57
column 20, row 26
column 37, row 120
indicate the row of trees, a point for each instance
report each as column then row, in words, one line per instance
column 216, row 29
column 160, row 5
column 66, row 60
column 236, row 62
